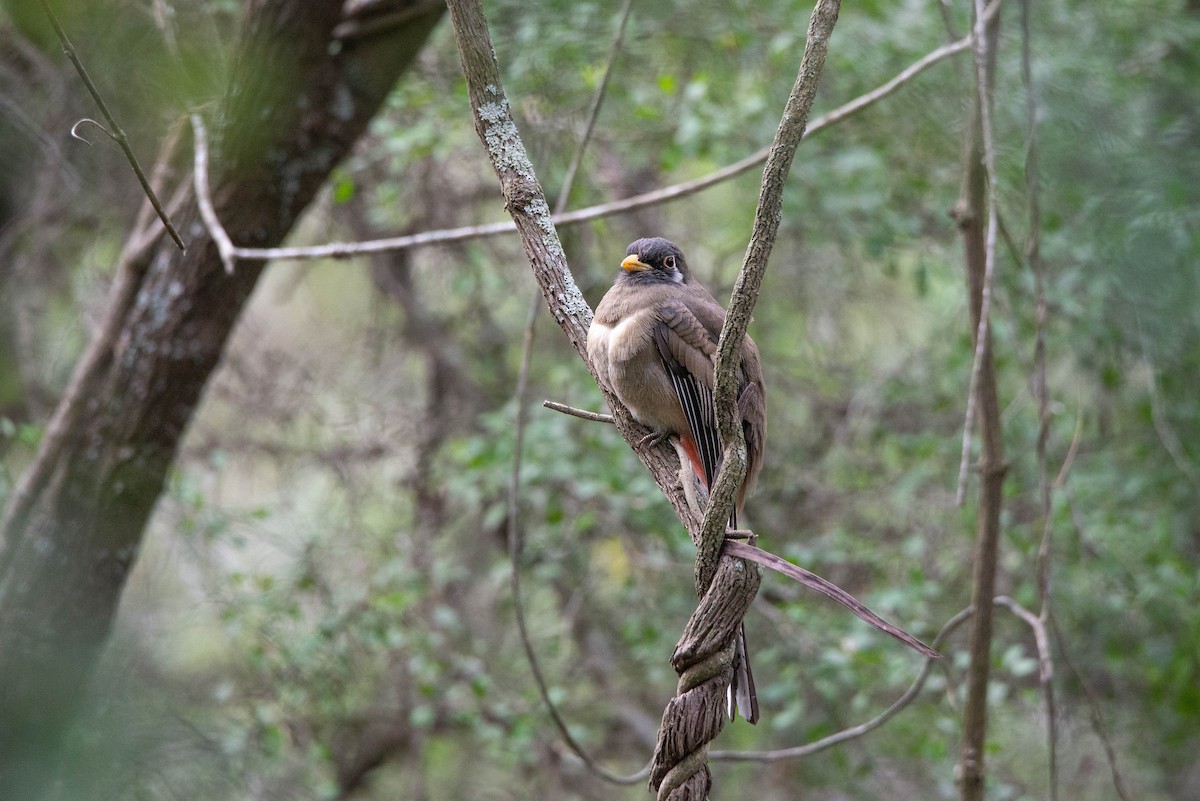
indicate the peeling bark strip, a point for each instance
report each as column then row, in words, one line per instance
column 294, row 108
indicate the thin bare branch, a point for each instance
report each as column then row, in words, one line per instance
column 515, row 540
column 1042, row 641
column 114, row 129
column 704, row 660
column 977, row 201
column 854, row 732
column 1071, row 451
column 1041, row 393
column 225, row 247
column 827, row 588
column 1097, row 716
column 983, row 82
column 343, row 250
column 89, row 121
column 595, row 417
column 767, row 217
column 515, row 546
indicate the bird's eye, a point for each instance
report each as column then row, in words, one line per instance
column 669, row 262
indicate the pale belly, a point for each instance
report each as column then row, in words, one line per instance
column 627, row 361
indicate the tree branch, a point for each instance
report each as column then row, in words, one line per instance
column 583, row 414
column 749, row 280
column 829, row 590
column 727, row 586
column 513, row 531
column 854, row 732
column 526, row 203
column 979, row 246
column 114, row 130
column 225, row 248
column 344, row 250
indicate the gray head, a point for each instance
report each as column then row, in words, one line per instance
column 655, row 259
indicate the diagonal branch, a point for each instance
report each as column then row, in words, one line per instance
column 749, row 280
column 225, row 248
column 526, row 203
column 114, row 129
column 705, row 654
column 829, row 590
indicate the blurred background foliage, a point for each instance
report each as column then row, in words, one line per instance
column 322, row 607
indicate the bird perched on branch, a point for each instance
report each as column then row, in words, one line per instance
column 653, row 344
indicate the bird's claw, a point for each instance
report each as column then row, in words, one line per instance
column 653, row 439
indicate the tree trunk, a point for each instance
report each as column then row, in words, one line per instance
column 300, row 95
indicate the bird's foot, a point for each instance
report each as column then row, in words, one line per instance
column 740, row 534
column 653, row 439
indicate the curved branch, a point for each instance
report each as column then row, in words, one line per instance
column 344, row 250
column 513, row 532
column 853, row 732
column 225, row 248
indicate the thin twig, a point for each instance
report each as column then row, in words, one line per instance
column 1097, row 716
column 982, row 55
column 1033, row 253
column 114, row 128
column 515, row 540
column 767, row 217
column 1069, row 459
column 76, row 135
column 854, row 732
column 828, row 589
column 595, row 417
column 342, row 250
column 979, row 245
column 515, row 545
column 1041, row 640
column 225, row 248
column 614, row 49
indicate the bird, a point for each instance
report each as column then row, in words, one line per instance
column 653, row 344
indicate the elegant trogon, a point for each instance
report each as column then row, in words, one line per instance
column 653, row 344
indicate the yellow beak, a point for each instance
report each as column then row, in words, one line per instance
column 633, row 264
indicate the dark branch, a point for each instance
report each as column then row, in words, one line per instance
column 114, row 129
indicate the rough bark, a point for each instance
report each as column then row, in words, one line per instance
column 298, row 100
